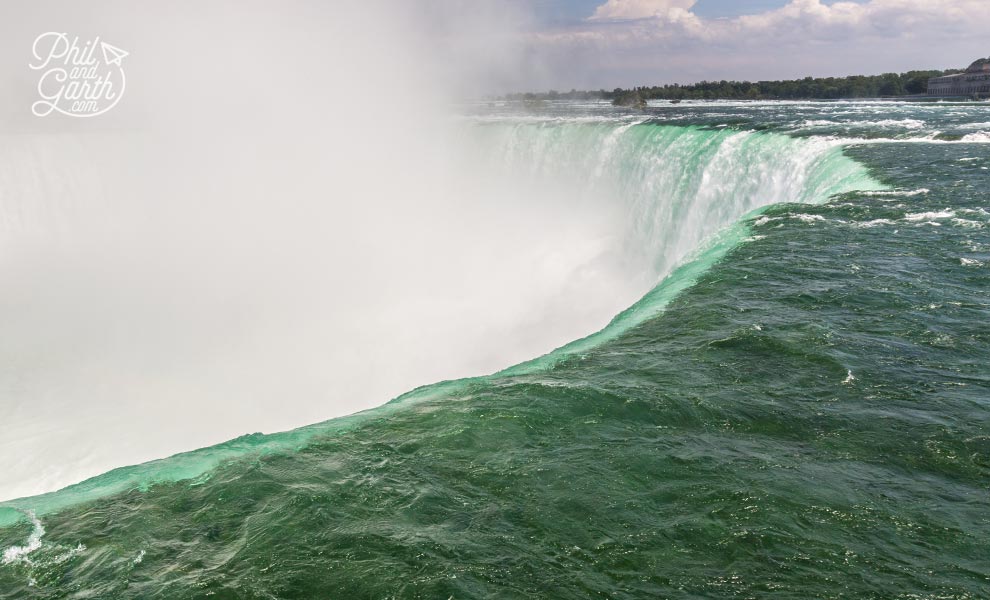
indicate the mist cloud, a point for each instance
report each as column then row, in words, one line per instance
column 280, row 223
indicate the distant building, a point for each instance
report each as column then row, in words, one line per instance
column 974, row 82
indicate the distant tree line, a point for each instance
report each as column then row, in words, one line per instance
column 823, row 88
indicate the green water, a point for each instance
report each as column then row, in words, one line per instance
column 802, row 410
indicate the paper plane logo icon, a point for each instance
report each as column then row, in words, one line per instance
column 112, row 54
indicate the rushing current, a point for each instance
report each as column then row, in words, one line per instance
column 791, row 399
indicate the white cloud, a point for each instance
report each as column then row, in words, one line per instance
column 646, row 41
column 803, row 18
column 639, row 9
column 887, row 18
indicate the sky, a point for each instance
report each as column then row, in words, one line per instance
column 563, row 11
column 491, row 47
column 590, row 44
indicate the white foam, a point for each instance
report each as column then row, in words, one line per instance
column 874, row 223
column 898, row 193
column 980, row 137
column 906, row 123
column 903, row 123
column 974, row 211
column 930, row 216
column 930, row 137
column 61, row 558
column 20, row 553
column 808, row 218
column 968, row 223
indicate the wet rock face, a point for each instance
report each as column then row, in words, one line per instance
column 630, row 99
column 979, row 66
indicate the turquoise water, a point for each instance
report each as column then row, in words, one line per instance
column 799, row 409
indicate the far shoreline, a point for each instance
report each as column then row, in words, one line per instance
column 908, row 86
